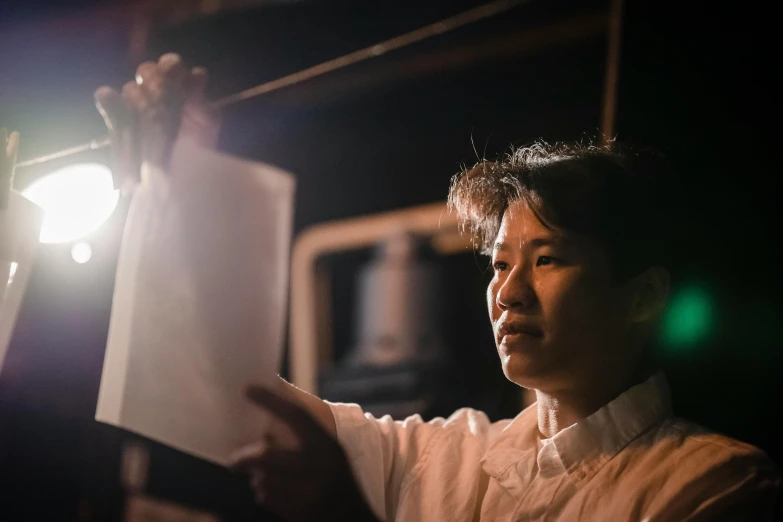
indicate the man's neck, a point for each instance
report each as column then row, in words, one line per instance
column 557, row 411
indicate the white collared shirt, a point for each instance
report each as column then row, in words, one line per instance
column 629, row 461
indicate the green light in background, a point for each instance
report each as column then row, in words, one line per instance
column 688, row 318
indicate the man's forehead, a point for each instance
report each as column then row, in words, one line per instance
column 520, row 225
column 520, row 215
column 511, row 242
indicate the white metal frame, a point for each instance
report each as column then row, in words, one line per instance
column 305, row 352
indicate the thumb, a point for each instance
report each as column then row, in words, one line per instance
column 12, row 148
column 8, row 149
column 119, row 123
column 200, row 120
column 112, row 108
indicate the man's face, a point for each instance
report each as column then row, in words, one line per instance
column 560, row 319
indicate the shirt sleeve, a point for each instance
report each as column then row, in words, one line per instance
column 386, row 455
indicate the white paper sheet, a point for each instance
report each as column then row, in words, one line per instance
column 199, row 302
column 20, row 227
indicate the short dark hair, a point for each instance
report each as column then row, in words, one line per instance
column 616, row 194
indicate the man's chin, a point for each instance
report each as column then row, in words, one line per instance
column 524, row 370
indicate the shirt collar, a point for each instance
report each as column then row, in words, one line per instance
column 583, row 448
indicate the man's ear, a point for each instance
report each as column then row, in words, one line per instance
column 649, row 292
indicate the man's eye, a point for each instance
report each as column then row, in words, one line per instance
column 544, row 260
column 499, row 266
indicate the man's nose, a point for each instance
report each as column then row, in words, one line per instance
column 516, row 291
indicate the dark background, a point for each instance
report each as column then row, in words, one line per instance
column 695, row 82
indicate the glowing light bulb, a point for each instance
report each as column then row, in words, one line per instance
column 76, row 200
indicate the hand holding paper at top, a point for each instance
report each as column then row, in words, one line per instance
column 165, row 104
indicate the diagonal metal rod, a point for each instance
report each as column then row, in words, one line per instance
column 609, row 109
column 443, row 26
column 90, row 145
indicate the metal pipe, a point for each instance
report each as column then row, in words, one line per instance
column 612, row 70
column 443, row 26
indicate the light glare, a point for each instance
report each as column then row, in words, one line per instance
column 689, row 318
column 81, row 252
column 76, row 200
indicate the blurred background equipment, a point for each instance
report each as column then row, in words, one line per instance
column 398, row 365
column 395, row 311
column 397, row 306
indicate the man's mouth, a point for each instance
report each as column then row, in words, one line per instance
column 510, row 330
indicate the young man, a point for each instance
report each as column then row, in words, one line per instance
column 577, row 237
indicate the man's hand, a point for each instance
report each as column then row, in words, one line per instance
column 8, row 149
column 308, row 478
column 166, row 103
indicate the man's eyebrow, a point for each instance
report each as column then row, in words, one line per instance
column 534, row 243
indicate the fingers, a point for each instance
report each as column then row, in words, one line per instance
column 8, row 148
column 172, row 70
column 274, row 474
column 265, row 458
column 200, row 120
column 149, row 79
column 9, row 143
column 241, row 458
column 290, row 412
column 259, row 483
column 276, row 494
column 12, row 147
column 135, row 99
column 111, row 108
column 120, row 116
column 162, row 82
column 157, row 99
column 151, row 84
column 197, row 82
column 166, row 81
column 164, row 103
